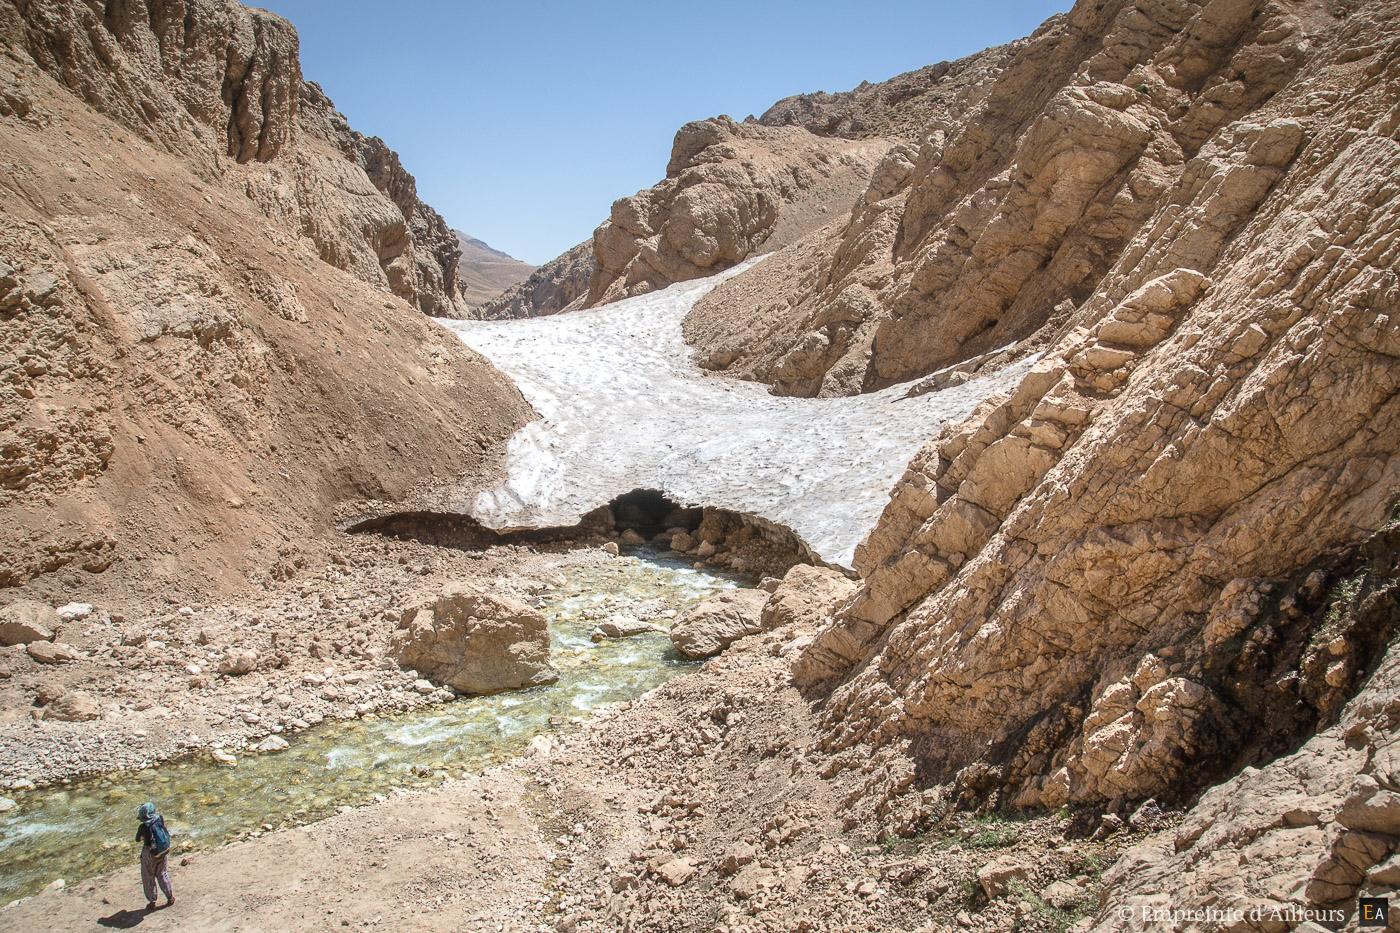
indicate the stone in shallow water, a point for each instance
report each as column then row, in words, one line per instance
column 273, row 743
column 475, row 642
column 622, row 627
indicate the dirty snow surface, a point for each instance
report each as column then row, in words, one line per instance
column 623, row 407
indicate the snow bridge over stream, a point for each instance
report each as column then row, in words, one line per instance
column 623, row 407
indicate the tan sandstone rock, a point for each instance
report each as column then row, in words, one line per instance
column 807, row 597
column 73, row 706
column 238, row 661
column 711, row 626
column 475, row 642
column 55, row 652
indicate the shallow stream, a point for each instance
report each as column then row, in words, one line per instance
column 86, row 828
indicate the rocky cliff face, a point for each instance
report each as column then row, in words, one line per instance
column 210, row 79
column 1013, row 211
column 731, row 189
column 190, row 385
column 220, row 84
column 1112, row 583
column 352, row 197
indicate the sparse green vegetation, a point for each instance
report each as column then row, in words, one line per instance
column 1058, row 918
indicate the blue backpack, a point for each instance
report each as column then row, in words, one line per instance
column 160, row 836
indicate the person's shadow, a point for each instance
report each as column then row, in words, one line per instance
column 123, row 919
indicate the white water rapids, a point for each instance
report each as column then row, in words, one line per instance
column 622, row 407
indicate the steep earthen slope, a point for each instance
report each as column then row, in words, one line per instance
column 190, row 382
column 1104, row 586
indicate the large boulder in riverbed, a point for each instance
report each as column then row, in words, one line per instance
column 475, row 642
column 711, row 626
column 25, row 621
column 808, row 596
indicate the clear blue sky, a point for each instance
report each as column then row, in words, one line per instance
column 524, row 121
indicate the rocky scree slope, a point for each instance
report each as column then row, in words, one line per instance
column 1128, row 577
column 208, row 307
column 898, row 108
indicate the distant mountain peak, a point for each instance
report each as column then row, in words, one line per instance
column 484, row 271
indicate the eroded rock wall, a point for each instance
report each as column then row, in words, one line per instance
column 352, row 196
column 220, row 84
column 1084, row 592
column 188, row 392
column 209, row 79
column 1009, row 214
column 559, row 285
column 730, row 189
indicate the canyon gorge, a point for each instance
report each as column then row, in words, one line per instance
column 967, row 502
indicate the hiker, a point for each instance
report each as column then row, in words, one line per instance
column 155, row 848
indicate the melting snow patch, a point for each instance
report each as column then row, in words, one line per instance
column 623, row 407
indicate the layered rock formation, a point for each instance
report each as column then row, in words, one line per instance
column 1319, row 827
column 190, row 384
column 1112, row 583
column 1019, row 200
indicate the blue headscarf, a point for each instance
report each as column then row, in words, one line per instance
column 146, row 812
